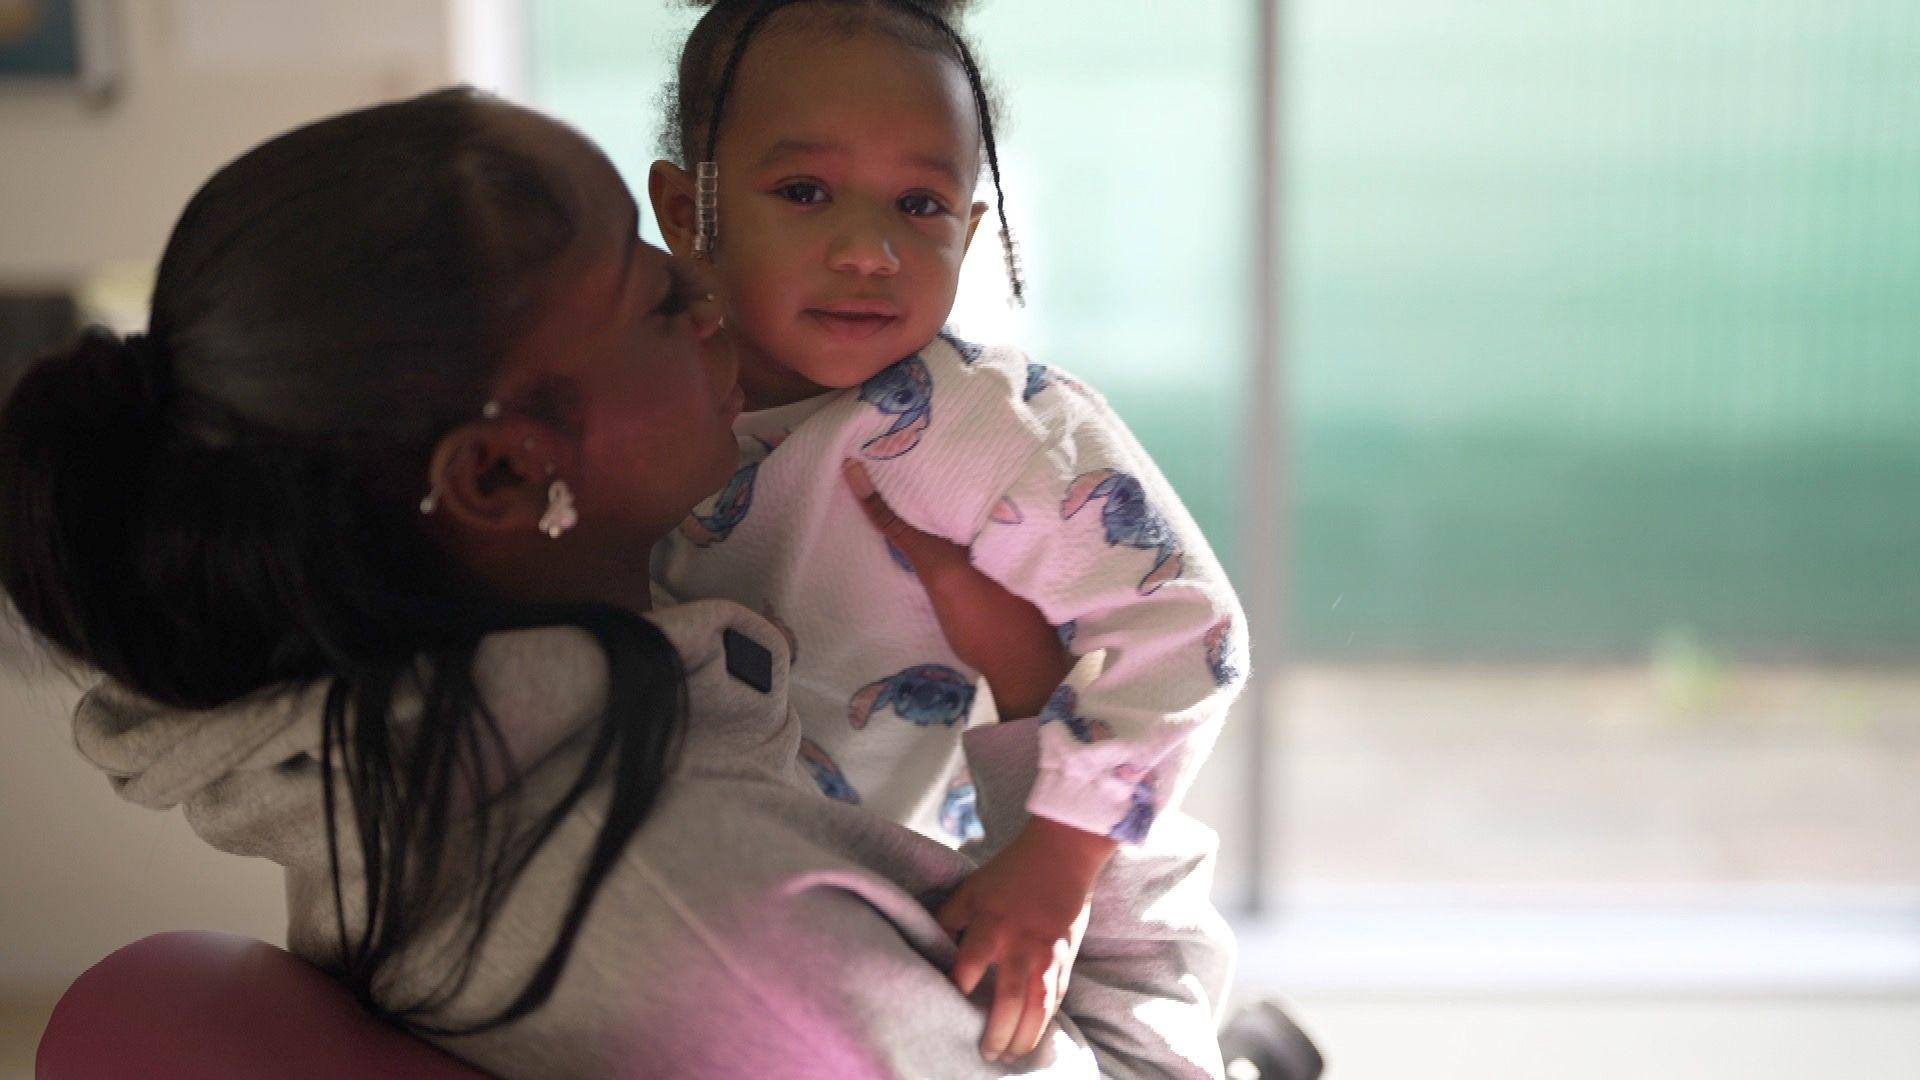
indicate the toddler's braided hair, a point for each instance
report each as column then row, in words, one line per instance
column 710, row 60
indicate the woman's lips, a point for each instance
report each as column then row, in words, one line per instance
column 851, row 325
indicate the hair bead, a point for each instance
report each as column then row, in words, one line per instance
column 706, row 208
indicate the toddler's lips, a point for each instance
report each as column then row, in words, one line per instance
column 851, row 325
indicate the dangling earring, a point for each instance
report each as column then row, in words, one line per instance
column 706, row 208
column 561, row 514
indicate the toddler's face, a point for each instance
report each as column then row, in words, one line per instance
column 847, row 171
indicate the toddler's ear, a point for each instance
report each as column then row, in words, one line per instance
column 973, row 224
column 670, row 189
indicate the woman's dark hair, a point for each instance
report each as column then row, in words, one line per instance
column 228, row 504
column 696, row 102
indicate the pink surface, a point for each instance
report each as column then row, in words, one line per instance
column 212, row 1006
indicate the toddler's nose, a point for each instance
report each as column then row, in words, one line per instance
column 864, row 248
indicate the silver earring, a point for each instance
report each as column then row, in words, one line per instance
column 706, row 208
column 490, row 411
column 561, row 514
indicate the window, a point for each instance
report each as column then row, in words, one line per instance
column 1603, row 410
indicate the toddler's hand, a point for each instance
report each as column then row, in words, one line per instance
column 1023, row 914
column 998, row 634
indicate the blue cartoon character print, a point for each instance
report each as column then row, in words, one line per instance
column 1061, row 708
column 1140, row 808
column 969, row 352
column 1128, row 521
column 826, row 773
column 1040, row 376
column 900, row 559
column 1223, row 653
column 924, row 696
column 1037, row 381
column 960, row 809
column 904, row 395
column 727, row 509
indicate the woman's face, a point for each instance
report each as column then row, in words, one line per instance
column 625, row 348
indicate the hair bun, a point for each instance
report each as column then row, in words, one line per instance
column 78, row 434
column 90, row 411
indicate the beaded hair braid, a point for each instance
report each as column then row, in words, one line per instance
column 707, row 219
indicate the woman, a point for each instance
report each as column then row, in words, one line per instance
column 358, row 535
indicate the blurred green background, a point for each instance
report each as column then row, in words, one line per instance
column 1601, row 324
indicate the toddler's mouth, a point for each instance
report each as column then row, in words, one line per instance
column 853, row 323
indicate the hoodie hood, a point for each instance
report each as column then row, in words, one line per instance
column 248, row 772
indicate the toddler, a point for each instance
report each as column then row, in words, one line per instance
column 830, row 150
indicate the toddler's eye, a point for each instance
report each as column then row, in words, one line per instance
column 918, row 205
column 803, row 192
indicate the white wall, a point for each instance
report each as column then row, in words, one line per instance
column 82, row 872
column 202, row 80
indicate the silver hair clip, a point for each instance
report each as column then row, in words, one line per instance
column 706, row 207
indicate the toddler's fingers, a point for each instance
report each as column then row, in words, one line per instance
column 1033, row 1018
column 921, row 549
column 1011, row 991
column 977, row 953
column 956, row 913
column 871, row 503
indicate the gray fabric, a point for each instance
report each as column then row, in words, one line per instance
column 752, row 927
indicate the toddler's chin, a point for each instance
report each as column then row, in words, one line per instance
column 847, row 369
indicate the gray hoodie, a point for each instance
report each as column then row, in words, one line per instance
column 751, row 928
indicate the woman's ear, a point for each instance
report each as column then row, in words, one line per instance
column 491, row 476
column 670, row 190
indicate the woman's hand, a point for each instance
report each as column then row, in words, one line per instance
column 996, row 633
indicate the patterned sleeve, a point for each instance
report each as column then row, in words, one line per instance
column 1093, row 534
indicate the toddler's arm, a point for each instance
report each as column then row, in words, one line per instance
column 1091, row 532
